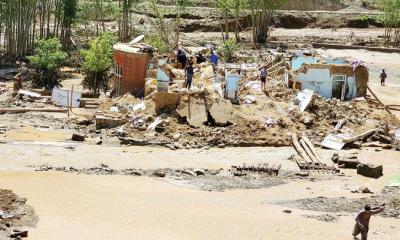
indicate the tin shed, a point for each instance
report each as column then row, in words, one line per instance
column 130, row 67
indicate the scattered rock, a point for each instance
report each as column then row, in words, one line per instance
column 77, row 137
column 159, row 174
column 369, row 170
column 19, row 234
column 189, row 172
column 194, row 111
column 199, row 172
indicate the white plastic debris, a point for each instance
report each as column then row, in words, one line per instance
column 397, row 135
column 114, row 109
column 249, row 99
column 136, row 107
column 304, row 98
column 152, row 126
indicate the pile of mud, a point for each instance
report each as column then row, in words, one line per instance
column 201, row 179
column 389, row 197
column 15, row 215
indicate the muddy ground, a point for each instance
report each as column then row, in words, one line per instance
column 15, row 215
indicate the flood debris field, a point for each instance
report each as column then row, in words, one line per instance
column 388, row 197
column 219, row 158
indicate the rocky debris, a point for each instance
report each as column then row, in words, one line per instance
column 159, row 174
column 194, row 110
column 221, row 112
column 261, row 168
column 77, row 137
column 388, row 197
column 108, row 121
column 362, row 189
column 323, row 217
column 19, row 234
column 369, row 170
column 14, row 213
column 203, row 179
column 166, row 102
column 346, row 161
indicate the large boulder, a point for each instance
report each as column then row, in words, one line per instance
column 194, row 110
column 369, row 170
column 221, row 111
column 166, row 102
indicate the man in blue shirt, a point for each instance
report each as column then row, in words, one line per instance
column 214, row 58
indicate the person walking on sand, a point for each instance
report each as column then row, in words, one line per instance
column 362, row 221
column 383, row 77
column 263, row 74
column 189, row 75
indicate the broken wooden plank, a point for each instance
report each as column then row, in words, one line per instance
column 24, row 110
column 360, row 136
column 376, row 97
column 312, row 148
column 300, row 150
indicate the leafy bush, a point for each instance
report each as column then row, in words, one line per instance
column 97, row 62
column 159, row 43
column 229, row 48
column 47, row 59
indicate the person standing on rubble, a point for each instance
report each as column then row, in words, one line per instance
column 214, row 59
column 362, row 221
column 383, row 77
column 200, row 58
column 189, row 75
column 264, row 74
column 182, row 59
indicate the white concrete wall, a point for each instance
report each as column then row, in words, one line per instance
column 318, row 80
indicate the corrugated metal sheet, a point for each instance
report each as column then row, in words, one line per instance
column 134, row 68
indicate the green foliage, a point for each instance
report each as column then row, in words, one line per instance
column 159, row 43
column 47, row 59
column 229, row 48
column 97, row 61
column 363, row 18
column 48, row 54
column 391, row 20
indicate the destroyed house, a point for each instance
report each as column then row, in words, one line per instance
column 130, row 68
column 331, row 78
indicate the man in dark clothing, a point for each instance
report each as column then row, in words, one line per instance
column 263, row 75
column 182, row 59
column 200, row 58
column 189, row 76
column 383, row 77
column 362, row 221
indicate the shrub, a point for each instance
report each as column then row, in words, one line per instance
column 97, row 61
column 229, row 48
column 159, row 43
column 47, row 59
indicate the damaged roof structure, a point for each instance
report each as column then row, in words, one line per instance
column 331, row 78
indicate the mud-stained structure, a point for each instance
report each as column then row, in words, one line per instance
column 343, row 81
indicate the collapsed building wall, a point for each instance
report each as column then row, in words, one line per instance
column 330, row 79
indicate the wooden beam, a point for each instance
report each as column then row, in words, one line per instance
column 376, row 97
column 25, row 110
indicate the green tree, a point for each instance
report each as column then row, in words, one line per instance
column 97, row 62
column 70, row 13
column 391, row 19
column 47, row 59
column 261, row 15
column 180, row 7
column 229, row 48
